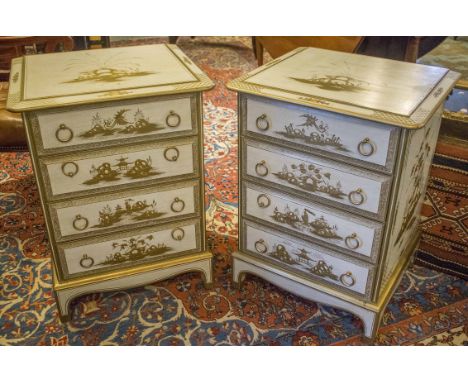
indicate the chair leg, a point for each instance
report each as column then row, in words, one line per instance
column 259, row 52
column 254, row 46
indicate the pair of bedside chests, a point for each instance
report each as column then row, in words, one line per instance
column 334, row 155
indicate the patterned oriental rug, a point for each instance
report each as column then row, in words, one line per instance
column 429, row 307
column 444, row 241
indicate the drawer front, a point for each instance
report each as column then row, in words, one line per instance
column 313, row 177
column 310, row 260
column 108, row 169
column 311, row 221
column 129, row 249
column 76, row 218
column 56, row 131
column 313, row 130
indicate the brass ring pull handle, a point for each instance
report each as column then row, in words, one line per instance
column 263, row 201
column 262, row 123
column 366, row 147
column 80, row 223
column 173, row 119
column 178, row 234
column 174, row 156
column 70, row 169
column 260, row 246
column 261, row 169
column 86, row 262
column 357, row 197
column 63, row 133
column 177, row 205
column 352, row 241
column 347, row 279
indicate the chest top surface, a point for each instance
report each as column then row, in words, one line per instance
column 388, row 91
column 90, row 76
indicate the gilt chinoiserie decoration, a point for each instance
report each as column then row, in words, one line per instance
column 117, row 147
column 335, row 150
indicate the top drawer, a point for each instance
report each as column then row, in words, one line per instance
column 365, row 143
column 57, row 130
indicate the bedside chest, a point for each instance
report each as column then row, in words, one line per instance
column 116, row 141
column 335, row 151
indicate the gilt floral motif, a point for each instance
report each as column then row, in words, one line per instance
column 311, row 178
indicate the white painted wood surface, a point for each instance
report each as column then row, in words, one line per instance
column 157, row 201
column 355, row 277
column 365, row 235
column 100, row 251
column 82, row 120
column 61, row 184
column 349, row 182
column 351, row 132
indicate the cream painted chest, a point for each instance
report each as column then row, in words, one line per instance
column 116, row 140
column 335, row 151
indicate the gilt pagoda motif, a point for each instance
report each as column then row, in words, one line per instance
column 306, row 222
column 120, row 124
column 140, row 210
column 301, row 259
column 310, row 178
column 140, row 168
column 314, row 132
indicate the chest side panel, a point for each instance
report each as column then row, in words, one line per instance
column 410, row 193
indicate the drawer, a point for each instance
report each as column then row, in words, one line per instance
column 86, row 127
column 312, row 261
column 106, row 170
column 98, row 214
column 349, row 139
column 359, row 237
column 124, row 250
column 316, row 178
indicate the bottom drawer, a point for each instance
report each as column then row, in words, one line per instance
column 312, row 261
column 128, row 249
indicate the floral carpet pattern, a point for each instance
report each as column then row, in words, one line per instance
column 428, row 308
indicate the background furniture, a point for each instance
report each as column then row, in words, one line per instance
column 398, row 47
column 91, row 42
column 332, row 174
column 12, row 134
column 453, row 54
column 116, row 142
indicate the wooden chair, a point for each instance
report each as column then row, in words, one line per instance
column 12, row 134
